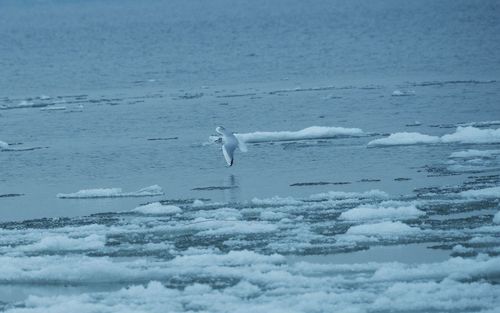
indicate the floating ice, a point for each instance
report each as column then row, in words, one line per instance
column 403, row 93
column 230, row 257
column 369, row 212
column 404, row 138
column 313, row 132
column 496, row 218
column 276, row 201
column 481, row 124
column 225, row 227
column 198, row 203
column 461, row 249
column 4, row 145
column 333, row 195
column 61, row 243
column 492, row 192
column 154, row 190
column 471, row 153
column 470, row 135
column 473, row 135
column 265, row 284
column 158, row 208
column 383, row 229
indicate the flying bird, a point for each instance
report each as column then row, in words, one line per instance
column 230, row 142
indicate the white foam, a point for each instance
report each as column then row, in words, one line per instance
column 313, row 132
column 382, row 229
column 369, row 212
column 469, row 135
column 492, row 192
column 154, row 190
column 158, row 208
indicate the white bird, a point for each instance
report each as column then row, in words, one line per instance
column 230, row 142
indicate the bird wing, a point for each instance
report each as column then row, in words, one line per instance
column 228, row 150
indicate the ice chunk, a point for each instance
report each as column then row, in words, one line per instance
column 382, row 229
column 235, row 227
column 404, row 138
column 461, row 249
column 4, row 145
column 313, row 132
column 496, row 218
column 492, row 192
column 471, row 153
column 403, row 93
column 61, row 243
column 198, row 203
column 473, row 135
column 154, row 190
column 277, row 201
column 468, row 134
column 368, row 212
column 335, row 195
column 158, row 208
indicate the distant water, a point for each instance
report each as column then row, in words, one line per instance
column 57, row 47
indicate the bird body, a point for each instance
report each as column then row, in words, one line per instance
column 230, row 142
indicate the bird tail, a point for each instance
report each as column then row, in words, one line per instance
column 242, row 146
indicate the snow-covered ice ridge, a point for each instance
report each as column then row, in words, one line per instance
column 464, row 135
column 313, row 132
column 154, row 190
column 225, row 257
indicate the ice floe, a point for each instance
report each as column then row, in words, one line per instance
column 403, row 93
column 382, row 229
column 153, row 190
column 404, row 138
column 464, row 135
column 3, row 145
column 389, row 210
column 158, row 208
column 492, row 192
column 265, row 284
column 62, row 243
column 496, row 218
column 313, row 132
column 230, row 257
column 471, row 153
column 374, row 193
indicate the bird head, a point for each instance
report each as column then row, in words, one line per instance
column 220, row 130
